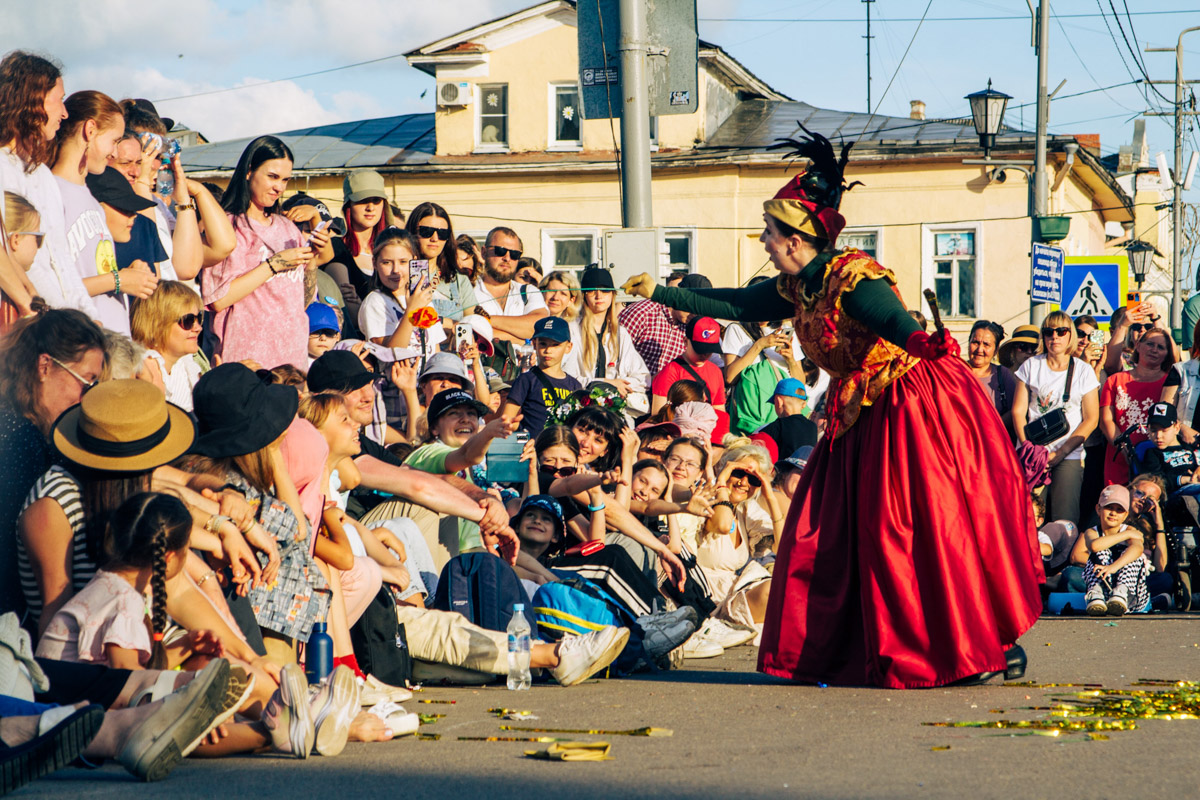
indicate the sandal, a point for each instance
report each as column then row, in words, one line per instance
column 161, row 742
column 63, row 733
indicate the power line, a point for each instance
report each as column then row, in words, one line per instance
column 1079, row 58
column 929, row 19
column 1133, row 51
column 279, row 80
column 898, row 65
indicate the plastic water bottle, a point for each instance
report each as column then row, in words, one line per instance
column 518, row 649
column 318, row 654
column 525, row 355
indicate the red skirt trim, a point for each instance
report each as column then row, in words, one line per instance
column 909, row 557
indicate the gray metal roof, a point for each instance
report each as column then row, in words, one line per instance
column 756, row 124
column 406, row 139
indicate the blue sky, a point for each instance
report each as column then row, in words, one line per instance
column 812, row 51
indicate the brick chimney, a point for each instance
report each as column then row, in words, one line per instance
column 917, row 109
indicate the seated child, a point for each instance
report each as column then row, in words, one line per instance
column 324, row 330
column 1174, row 461
column 1116, row 569
column 1055, row 539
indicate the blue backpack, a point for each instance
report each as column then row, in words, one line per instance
column 483, row 588
column 576, row 605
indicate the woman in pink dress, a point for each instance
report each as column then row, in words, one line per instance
column 258, row 292
column 1126, row 398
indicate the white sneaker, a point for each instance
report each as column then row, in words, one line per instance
column 401, row 722
column 287, row 715
column 726, row 634
column 700, row 647
column 664, row 631
column 375, row 691
column 580, row 657
column 1118, row 601
column 334, row 705
column 1096, row 607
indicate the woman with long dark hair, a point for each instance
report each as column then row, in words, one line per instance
column 258, row 291
column 909, row 557
column 31, row 110
column 455, row 295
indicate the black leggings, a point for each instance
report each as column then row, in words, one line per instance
column 72, row 682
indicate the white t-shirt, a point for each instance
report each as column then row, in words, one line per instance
column 514, row 305
column 1046, row 391
column 92, row 251
column 181, row 380
column 380, row 314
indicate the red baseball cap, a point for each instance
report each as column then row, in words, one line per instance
column 767, row 441
column 705, row 335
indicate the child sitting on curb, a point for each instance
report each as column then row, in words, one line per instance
column 1116, row 568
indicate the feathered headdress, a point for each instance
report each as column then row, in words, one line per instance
column 809, row 202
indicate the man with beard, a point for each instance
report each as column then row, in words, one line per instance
column 512, row 307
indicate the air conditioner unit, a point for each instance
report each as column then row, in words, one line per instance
column 454, row 94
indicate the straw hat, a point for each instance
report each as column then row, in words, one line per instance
column 123, row 426
column 1024, row 334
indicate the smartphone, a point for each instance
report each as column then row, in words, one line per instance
column 418, row 274
column 1096, row 336
column 463, row 334
column 322, row 225
column 1132, row 300
column 504, row 464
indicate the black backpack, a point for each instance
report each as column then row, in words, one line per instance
column 380, row 643
column 483, row 588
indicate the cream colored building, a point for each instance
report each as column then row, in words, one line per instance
column 506, row 146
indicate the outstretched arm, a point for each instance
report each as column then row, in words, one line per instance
column 758, row 303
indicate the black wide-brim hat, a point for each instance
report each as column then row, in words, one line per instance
column 237, row 413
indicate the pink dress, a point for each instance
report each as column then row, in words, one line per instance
column 268, row 325
column 1130, row 401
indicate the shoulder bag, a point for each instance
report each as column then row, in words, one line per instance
column 1052, row 426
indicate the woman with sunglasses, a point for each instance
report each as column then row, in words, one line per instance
column 47, row 362
column 455, row 296
column 916, row 505
column 168, row 323
column 1041, row 385
column 1020, row 347
column 1126, row 398
column 1128, row 326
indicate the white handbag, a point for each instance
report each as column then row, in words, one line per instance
column 20, row 675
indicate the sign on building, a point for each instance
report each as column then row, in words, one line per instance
column 1094, row 285
column 671, row 64
column 1047, row 273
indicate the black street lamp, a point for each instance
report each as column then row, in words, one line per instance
column 987, row 113
column 1140, row 256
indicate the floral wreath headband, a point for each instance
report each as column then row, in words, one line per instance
column 600, row 395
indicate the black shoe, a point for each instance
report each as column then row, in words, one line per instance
column 1015, row 663
column 976, row 680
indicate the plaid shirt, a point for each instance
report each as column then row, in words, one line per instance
column 659, row 339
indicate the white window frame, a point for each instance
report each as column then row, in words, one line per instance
column 548, row 237
column 693, row 255
column 480, row 147
column 928, row 270
column 553, row 143
column 878, row 231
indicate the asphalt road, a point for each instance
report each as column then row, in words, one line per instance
column 740, row 734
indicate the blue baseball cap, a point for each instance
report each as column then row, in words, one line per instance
column 798, row 459
column 553, row 328
column 321, row 318
column 546, row 503
column 791, row 387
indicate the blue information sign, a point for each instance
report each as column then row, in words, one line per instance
column 1047, row 273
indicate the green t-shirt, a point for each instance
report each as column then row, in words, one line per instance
column 431, row 458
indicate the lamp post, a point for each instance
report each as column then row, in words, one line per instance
column 1140, row 254
column 987, row 112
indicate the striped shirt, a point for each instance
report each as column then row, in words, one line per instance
column 57, row 485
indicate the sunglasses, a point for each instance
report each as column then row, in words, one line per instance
column 501, row 252
column 1026, row 348
column 741, row 474
column 84, row 382
column 38, row 236
column 1047, row 332
column 189, row 321
column 1138, row 327
column 562, row 472
column 430, row 232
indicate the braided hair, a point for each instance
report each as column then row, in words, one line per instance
column 141, row 532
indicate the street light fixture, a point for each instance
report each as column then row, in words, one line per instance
column 1140, row 255
column 987, row 113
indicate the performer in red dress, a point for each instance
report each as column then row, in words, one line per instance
column 909, row 557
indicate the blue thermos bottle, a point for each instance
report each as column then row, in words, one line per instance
column 318, row 654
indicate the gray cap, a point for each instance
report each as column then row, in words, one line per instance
column 446, row 364
column 362, row 184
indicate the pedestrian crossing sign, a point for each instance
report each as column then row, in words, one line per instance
column 1094, row 285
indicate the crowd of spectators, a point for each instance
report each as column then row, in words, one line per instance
column 231, row 418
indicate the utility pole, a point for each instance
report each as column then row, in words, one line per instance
column 636, row 211
column 1041, row 182
column 1177, row 177
column 868, row 37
